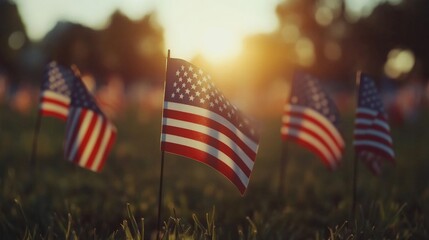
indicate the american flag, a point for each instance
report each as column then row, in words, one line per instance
column 372, row 138
column 55, row 91
column 89, row 134
column 200, row 123
column 310, row 118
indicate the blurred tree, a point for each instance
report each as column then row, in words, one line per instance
column 12, row 38
column 388, row 27
column 318, row 36
column 132, row 49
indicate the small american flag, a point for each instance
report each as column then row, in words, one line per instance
column 89, row 134
column 372, row 138
column 55, row 91
column 310, row 118
column 200, row 123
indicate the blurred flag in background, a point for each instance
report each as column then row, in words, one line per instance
column 56, row 91
column 310, row 118
column 372, row 138
column 89, row 134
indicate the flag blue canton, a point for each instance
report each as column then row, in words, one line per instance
column 81, row 98
column 308, row 92
column 59, row 79
column 370, row 97
column 192, row 86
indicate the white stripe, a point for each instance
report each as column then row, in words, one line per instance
column 209, row 150
column 378, row 145
column 366, row 121
column 382, row 124
column 312, row 141
column 316, row 129
column 81, row 133
column 372, row 132
column 363, row 121
column 56, row 96
column 319, row 117
column 378, row 122
column 52, row 107
column 213, row 116
column 89, row 148
column 213, row 133
column 103, row 146
column 71, row 125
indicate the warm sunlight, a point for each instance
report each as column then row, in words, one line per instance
column 214, row 29
column 218, row 45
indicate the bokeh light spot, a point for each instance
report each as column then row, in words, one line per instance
column 324, row 16
column 304, row 49
column 399, row 61
column 290, row 33
column 16, row 40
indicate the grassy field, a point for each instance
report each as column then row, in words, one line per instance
column 57, row 200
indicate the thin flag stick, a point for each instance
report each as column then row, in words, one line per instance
column 161, row 175
column 354, row 188
column 35, row 139
column 282, row 173
column 355, row 162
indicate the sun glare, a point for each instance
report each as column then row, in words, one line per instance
column 218, row 45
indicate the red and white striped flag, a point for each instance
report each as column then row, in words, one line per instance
column 200, row 123
column 310, row 119
column 89, row 134
column 372, row 138
column 56, row 91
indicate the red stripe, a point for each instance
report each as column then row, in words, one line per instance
column 215, row 143
column 54, row 101
column 207, row 159
column 188, row 117
column 368, row 116
column 369, row 137
column 87, row 136
column 310, row 118
column 365, row 116
column 316, row 136
column 108, row 148
column 372, row 127
column 312, row 148
column 54, row 114
column 97, row 144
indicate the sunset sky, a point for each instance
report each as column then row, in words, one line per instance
column 212, row 28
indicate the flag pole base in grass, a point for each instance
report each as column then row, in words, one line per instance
column 35, row 139
column 161, row 177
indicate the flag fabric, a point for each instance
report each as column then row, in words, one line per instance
column 372, row 138
column 89, row 134
column 310, row 118
column 55, row 91
column 201, row 124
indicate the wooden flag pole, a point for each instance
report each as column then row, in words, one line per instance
column 161, row 175
column 35, row 139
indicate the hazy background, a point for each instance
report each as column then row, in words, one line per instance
column 251, row 49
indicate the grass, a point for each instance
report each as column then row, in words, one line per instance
column 57, row 200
